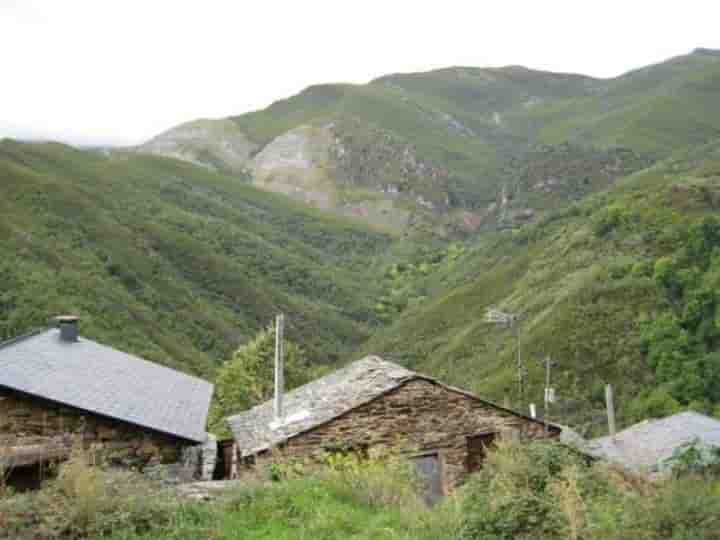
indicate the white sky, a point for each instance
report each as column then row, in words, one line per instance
column 120, row 71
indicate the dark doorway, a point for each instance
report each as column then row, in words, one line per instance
column 477, row 446
column 28, row 477
column 224, row 464
column 429, row 471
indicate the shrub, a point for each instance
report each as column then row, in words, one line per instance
column 512, row 497
column 377, row 480
column 83, row 502
column 612, row 218
column 247, row 378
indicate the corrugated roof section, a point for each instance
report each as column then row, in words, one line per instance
column 99, row 379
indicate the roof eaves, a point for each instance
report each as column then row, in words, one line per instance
column 107, row 417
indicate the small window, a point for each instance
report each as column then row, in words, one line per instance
column 477, row 446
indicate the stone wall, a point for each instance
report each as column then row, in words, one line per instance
column 420, row 416
column 28, row 423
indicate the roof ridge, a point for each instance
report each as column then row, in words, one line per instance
column 23, row 337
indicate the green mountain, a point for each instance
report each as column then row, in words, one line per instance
column 171, row 261
column 449, row 151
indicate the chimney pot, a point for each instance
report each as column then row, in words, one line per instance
column 68, row 325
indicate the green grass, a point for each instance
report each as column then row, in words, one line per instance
column 307, row 508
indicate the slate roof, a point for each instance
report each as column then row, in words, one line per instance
column 322, row 400
column 646, row 445
column 104, row 381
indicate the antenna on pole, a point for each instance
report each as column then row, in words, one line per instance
column 549, row 391
column 279, row 366
column 511, row 320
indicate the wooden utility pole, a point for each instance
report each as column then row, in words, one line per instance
column 519, row 359
column 610, row 404
column 548, row 391
column 279, row 366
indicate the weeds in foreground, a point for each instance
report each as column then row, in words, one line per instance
column 526, row 491
column 85, row 501
column 5, row 471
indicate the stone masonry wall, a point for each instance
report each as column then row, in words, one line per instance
column 26, row 421
column 422, row 416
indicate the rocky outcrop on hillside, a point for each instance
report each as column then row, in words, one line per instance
column 219, row 145
column 371, row 157
column 356, row 169
column 298, row 164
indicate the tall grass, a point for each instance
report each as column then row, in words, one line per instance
column 525, row 491
column 85, row 501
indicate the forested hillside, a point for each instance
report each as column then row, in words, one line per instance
column 171, row 261
column 621, row 287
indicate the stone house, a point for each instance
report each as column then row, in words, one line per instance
column 58, row 389
column 371, row 402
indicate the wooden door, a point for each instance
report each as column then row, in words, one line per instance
column 477, row 446
column 429, row 471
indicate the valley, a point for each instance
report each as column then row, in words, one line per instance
column 387, row 218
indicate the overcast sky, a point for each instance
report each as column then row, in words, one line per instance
column 119, row 72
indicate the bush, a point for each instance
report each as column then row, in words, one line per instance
column 542, row 490
column 377, row 480
column 512, row 497
column 612, row 218
column 84, row 502
column 247, row 378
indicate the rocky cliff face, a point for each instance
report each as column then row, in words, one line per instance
column 298, row 164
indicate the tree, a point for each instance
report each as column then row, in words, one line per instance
column 248, row 379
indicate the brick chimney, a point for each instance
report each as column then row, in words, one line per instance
column 68, row 325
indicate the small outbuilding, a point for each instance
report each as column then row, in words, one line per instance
column 372, row 403
column 57, row 388
column 648, row 447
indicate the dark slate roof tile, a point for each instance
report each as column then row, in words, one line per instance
column 99, row 379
